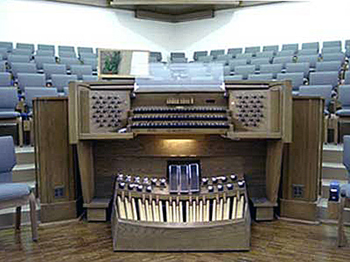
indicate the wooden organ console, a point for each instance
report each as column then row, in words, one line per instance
column 182, row 166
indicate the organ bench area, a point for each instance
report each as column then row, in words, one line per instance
column 181, row 168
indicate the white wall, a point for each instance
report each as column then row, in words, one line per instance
column 44, row 22
column 282, row 23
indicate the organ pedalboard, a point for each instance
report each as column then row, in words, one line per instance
column 191, row 140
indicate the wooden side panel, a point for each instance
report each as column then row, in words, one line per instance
column 273, row 169
column 302, row 162
column 86, row 166
column 54, row 158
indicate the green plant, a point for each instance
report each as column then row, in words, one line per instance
column 111, row 65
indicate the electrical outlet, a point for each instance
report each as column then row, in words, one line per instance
column 59, row 192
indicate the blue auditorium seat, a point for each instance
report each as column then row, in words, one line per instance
column 68, row 61
column 236, row 62
column 2, row 66
column 324, row 91
column 271, row 68
column 92, row 62
column 285, row 53
column 179, row 60
column 247, row 56
column 335, row 49
column 345, row 189
column 5, row 79
column 87, row 55
column 65, row 48
column 157, row 56
column 298, row 67
column 18, row 58
column 26, row 52
column 23, row 68
column 308, row 52
column 297, row 79
column 336, row 43
column 324, row 78
column 334, row 57
column 177, row 55
column 85, row 50
column 50, row 69
column 61, row 81
column 44, row 52
column 80, row 70
column 261, row 77
column 294, row 47
column 205, row 59
column 244, row 70
column 33, row 92
column 273, row 48
column 311, row 59
column 62, row 54
column 46, row 47
column 268, row 54
column 235, row 77
column 7, row 45
column 347, row 43
column 25, row 46
column 215, row 53
column 41, row 60
column 311, row 45
column 8, row 103
column 344, row 98
column 31, row 80
column 259, row 61
column 225, row 58
column 328, row 66
column 197, row 54
column 3, row 53
column 90, row 78
column 252, row 49
column 283, row 60
column 14, row 194
column 235, row 51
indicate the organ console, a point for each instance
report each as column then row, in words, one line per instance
column 182, row 166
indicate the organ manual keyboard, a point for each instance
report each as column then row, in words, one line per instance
column 186, row 160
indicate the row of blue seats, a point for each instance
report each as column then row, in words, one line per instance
column 49, row 69
column 40, row 60
column 25, row 80
column 9, row 46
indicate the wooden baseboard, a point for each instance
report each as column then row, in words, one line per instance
column 301, row 210
column 58, row 211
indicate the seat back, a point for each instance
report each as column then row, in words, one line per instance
column 8, row 99
column 273, row 48
column 324, row 91
column 91, row 61
column 252, row 49
column 286, row 53
column 335, row 49
column 336, row 43
column 217, row 52
column 25, row 46
column 18, row 58
column 261, row 77
column 7, row 158
column 44, row 52
column 66, row 48
column 308, row 52
column 236, row 62
column 32, row 92
column 23, row 68
column 268, row 54
column 310, row 45
column 179, row 60
column 87, row 55
column 41, row 60
column 31, row 80
column 271, row 68
column 296, row 78
column 293, row 47
column 67, row 54
column 334, row 57
column 80, row 70
column 85, row 50
column 177, row 55
column 5, row 79
column 344, row 95
column 50, row 69
column 198, row 54
column 7, row 45
column 259, row 61
column 298, row 67
column 324, row 78
column 46, row 47
column 61, row 81
column 157, row 55
column 283, row 60
column 26, row 52
column 244, row 70
column 328, row 66
column 235, row 51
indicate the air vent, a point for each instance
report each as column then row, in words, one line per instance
column 298, row 191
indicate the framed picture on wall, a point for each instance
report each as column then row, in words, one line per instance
column 121, row 63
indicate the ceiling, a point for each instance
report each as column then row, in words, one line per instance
column 171, row 10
